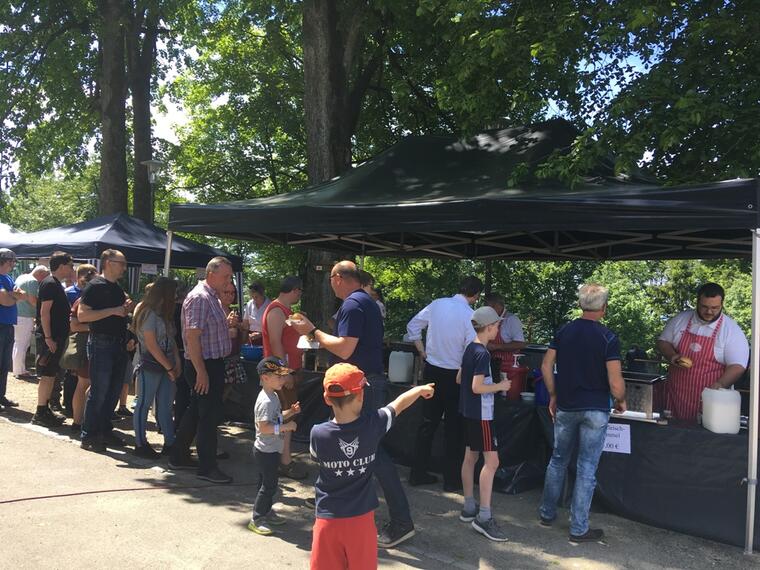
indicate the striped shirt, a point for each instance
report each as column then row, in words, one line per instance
column 202, row 310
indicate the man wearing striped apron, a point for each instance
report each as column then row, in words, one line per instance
column 714, row 343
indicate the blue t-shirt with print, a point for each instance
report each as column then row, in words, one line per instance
column 475, row 360
column 583, row 349
column 359, row 317
column 346, row 456
column 8, row 315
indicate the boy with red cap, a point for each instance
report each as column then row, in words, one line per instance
column 345, row 536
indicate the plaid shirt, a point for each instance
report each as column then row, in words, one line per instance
column 202, row 310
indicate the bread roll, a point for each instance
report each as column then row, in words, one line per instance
column 684, row 361
column 296, row 317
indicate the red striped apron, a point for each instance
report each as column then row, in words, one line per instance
column 505, row 356
column 685, row 385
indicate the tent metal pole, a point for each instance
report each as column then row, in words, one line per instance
column 753, row 390
column 168, row 254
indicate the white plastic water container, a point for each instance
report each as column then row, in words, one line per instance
column 721, row 410
column 401, row 367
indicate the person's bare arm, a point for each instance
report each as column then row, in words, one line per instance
column 7, row 298
column 275, row 325
column 480, row 387
column 410, row 396
column 547, row 371
column 194, row 350
column 77, row 326
column 341, row 346
column 267, row 428
column 730, row 376
column 151, row 343
column 87, row 314
column 47, row 330
column 617, row 384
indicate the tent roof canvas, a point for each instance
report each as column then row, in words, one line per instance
column 139, row 241
column 442, row 196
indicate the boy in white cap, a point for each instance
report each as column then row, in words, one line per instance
column 476, row 403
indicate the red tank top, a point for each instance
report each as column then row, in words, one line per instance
column 289, row 337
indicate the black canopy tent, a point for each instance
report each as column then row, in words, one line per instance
column 139, row 241
column 433, row 196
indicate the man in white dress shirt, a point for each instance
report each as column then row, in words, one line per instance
column 254, row 311
column 449, row 330
column 714, row 343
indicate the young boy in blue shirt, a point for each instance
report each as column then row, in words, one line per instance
column 345, row 536
column 476, row 403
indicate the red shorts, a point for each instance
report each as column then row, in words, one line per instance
column 345, row 544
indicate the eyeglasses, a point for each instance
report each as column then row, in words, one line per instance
column 334, row 275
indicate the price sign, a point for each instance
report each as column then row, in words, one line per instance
column 618, row 438
column 150, row 268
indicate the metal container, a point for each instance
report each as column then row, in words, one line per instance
column 639, row 391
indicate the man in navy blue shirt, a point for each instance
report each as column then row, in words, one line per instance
column 358, row 340
column 588, row 369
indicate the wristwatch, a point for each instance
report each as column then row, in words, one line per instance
column 310, row 336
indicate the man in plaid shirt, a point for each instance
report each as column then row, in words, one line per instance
column 205, row 333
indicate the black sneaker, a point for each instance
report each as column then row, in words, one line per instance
column 216, row 476
column 2, row 408
column 490, row 529
column 45, row 417
column 124, row 412
column 8, row 403
column 57, row 415
column 545, row 522
column 424, row 478
column 185, row 463
column 92, row 444
column 146, row 452
column 591, row 535
column 113, row 440
column 55, row 406
column 395, row 533
column 466, row 516
column 76, row 428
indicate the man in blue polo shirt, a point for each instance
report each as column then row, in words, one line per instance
column 587, row 358
column 9, row 296
column 358, row 340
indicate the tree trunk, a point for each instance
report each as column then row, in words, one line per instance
column 328, row 136
column 141, row 55
column 113, row 157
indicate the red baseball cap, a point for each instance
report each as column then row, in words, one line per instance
column 343, row 379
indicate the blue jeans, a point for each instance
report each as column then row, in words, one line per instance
column 158, row 386
column 375, row 396
column 588, row 429
column 108, row 357
column 6, row 355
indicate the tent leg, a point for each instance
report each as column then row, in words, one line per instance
column 753, row 406
column 168, row 255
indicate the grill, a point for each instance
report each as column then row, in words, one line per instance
column 639, row 391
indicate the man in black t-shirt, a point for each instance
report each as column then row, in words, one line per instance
column 52, row 333
column 105, row 307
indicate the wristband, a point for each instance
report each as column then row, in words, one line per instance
column 310, row 336
column 276, row 429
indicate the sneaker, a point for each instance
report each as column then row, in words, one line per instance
column 216, row 476
column 124, row 412
column 293, row 471
column 8, row 403
column 113, row 440
column 490, row 529
column 395, row 533
column 57, row 415
column 76, row 428
column 146, row 452
column 46, row 418
column 91, row 444
column 2, row 408
column 56, row 406
column 311, row 502
column 259, row 526
column 274, row 519
column 545, row 522
column 591, row 535
column 424, row 478
column 185, row 463
column 464, row 516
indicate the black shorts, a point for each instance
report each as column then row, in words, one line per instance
column 479, row 435
column 49, row 363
